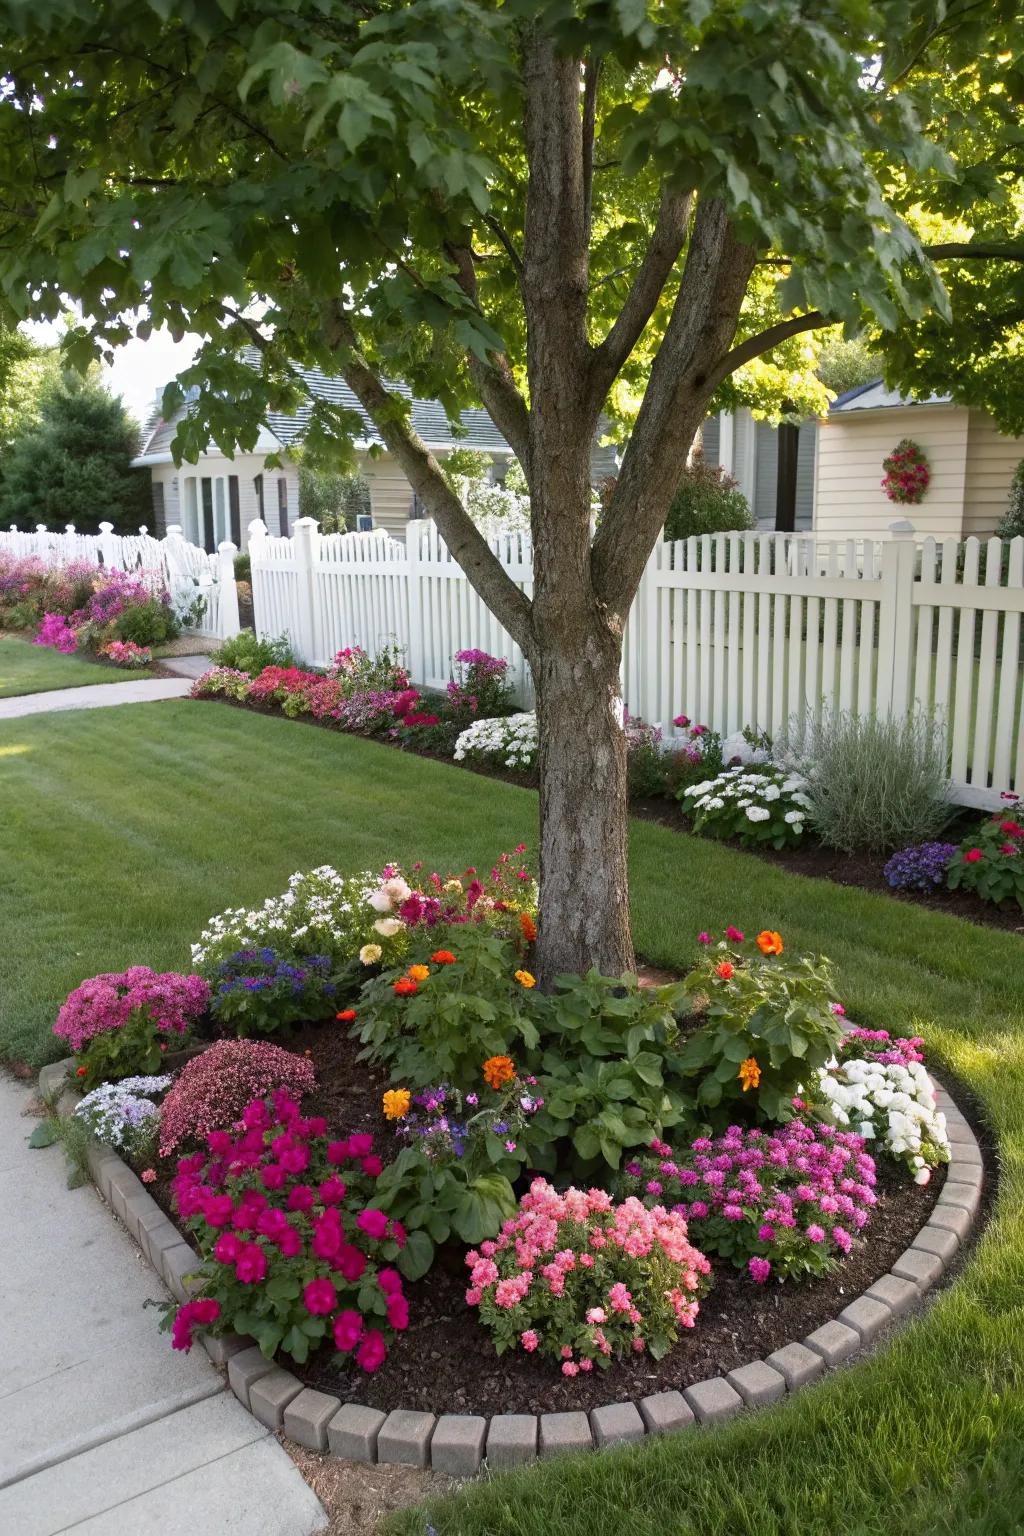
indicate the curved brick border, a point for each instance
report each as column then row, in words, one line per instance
column 457, row 1443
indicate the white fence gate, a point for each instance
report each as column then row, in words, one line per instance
column 199, row 583
column 733, row 629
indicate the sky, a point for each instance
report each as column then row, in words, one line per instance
column 140, row 369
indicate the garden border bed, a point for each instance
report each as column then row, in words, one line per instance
column 457, row 1444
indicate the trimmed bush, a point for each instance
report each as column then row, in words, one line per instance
column 211, row 1091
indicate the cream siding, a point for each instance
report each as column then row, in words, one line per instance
column 991, row 461
column 849, row 500
column 390, row 494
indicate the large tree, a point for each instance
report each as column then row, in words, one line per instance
column 541, row 205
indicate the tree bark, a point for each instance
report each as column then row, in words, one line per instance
column 583, row 798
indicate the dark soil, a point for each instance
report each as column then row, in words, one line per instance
column 811, row 859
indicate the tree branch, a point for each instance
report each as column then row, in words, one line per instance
column 465, row 541
column 660, row 257
column 494, row 379
column 702, row 324
column 765, row 340
column 506, row 242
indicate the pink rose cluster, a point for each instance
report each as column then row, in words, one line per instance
column 213, row 1088
column 275, row 1203
column 582, row 1279
column 907, row 475
column 107, row 1002
column 787, row 1201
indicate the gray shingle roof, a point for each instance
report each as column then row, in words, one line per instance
column 428, row 420
column 876, row 396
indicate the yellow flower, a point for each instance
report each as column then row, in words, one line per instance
column 749, row 1073
column 396, row 1103
column 418, row 972
column 453, row 885
column 525, row 979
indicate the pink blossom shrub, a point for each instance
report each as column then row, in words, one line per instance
column 582, row 1280
column 102, row 1003
column 57, row 634
column 211, row 1091
column 294, row 1253
column 787, row 1201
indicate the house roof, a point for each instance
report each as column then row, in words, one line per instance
column 428, row 420
column 877, row 397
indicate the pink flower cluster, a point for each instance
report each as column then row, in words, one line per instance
column 907, row 475
column 878, row 1045
column 273, row 684
column 786, row 1201
column 125, row 653
column 274, row 1199
column 56, row 633
column 213, row 1089
column 582, row 1279
column 107, row 1002
column 199, row 1313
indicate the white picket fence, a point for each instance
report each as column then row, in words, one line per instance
column 201, row 584
column 733, row 630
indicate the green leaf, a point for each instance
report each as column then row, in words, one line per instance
column 417, row 1256
column 44, row 1135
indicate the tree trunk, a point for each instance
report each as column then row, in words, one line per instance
column 584, row 919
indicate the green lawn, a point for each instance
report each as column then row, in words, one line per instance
column 28, row 668
column 122, row 831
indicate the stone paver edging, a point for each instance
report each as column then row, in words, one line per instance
column 457, row 1443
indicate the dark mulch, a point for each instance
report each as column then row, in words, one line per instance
column 445, row 1362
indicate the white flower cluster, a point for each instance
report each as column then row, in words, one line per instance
column 891, row 1105
column 771, row 795
column 510, row 739
column 123, row 1114
column 321, row 912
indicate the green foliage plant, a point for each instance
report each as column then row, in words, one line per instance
column 769, row 1025
column 248, row 652
column 444, row 1024
column 610, row 1070
column 707, row 500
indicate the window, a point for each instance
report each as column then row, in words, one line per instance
column 235, row 506
column 282, row 505
column 258, row 486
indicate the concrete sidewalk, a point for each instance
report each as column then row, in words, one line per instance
column 107, row 1431
column 94, row 696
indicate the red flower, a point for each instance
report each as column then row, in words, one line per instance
column 1009, row 848
column 725, row 970
column 443, row 957
column 81, row 1072
column 405, row 986
column 973, row 855
column 1013, row 828
column 346, row 1015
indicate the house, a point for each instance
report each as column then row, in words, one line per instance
column 217, row 497
column 970, row 460
column 774, row 466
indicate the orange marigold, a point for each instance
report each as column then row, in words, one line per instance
column 396, row 1103
column 418, row 972
column 443, row 957
column 769, row 942
column 498, row 1070
column 525, row 979
column 749, row 1073
column 527, row 927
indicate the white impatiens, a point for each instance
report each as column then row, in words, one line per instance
column 756, row 805
column 508, row 741
column 892, row 1105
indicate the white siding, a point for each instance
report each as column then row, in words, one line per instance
column 991, row 461
column 390, row 494
column 849, row 500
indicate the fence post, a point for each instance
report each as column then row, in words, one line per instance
column 107, row 545
column 306, row 544
column 229, row 623
column 413, row 549
column 895, row 625
column 255, row 549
